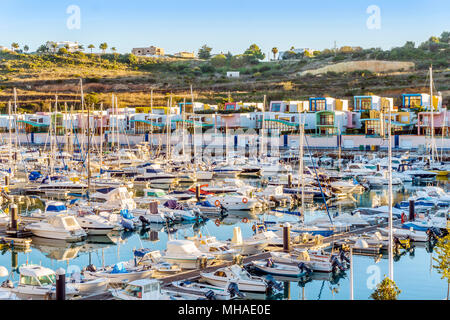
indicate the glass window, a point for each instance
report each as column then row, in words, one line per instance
column 326, row 119
column 134, row 291
column 27, row 280
column 276, row 107
column 49, row 279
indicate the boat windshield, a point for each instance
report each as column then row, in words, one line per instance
column 134, row 291
column 48, row 279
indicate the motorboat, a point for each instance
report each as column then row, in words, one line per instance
column 246, row 246
column 280, row 269
column 142, row 289
column 154, row 259
column 201, row 290
column 186, row 254
column 87, row 286
column 415, row 235
column 315, row 260
column 234, row 201
column 120, row 272
column 61, row 226
column 209, row 244
column 37, row 282
column 235, row 273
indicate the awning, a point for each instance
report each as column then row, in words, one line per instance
column 150, row 122
column 34, row 124
column 280, row 121
column 195, row 123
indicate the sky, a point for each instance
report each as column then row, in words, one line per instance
column 227, row 25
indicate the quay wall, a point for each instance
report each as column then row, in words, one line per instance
column 348, row 142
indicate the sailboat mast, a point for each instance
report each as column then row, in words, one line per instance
column 10, row 138
column 302, row 175
column 88, row 150
column 391, row 263
column 101, row 137
column 432, row 116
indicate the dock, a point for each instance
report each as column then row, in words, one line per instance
column 193, row 275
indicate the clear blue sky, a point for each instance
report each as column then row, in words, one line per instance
column 223, row 25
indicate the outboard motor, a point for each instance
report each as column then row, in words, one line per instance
column 91, row 268
column 210, row 295
column 7, row 284
column 336, row 264
column 143, row 220
column 303, row 268
column 233, row 290
column 343, row 256
column 271, row 283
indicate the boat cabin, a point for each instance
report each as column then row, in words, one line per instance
column 143, row 289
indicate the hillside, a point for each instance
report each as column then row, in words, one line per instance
column 342, row 74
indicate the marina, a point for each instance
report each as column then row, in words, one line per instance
column 233, row 179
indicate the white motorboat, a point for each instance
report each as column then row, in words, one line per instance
column 248, row 246
column 381, row 179
column 142, row 289
column 154, row 259
column 415, row 235
column 279, row 269
column 36, row 282
column 186, row 254
column 85, row 286
column 316, row 261
column 224, row 276
column 234, row 202
column 61, row 226
column 202, row 290
column 209, row 244
column 121, row 272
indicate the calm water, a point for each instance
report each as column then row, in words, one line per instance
column 413, row 271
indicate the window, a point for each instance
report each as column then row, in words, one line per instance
column 412, row 101
column 276, row 107
column 326, row 120
column 373, row 127
column 28, row 280
column 363, row 103
column 220, row 274
column 318, row 105
column 134, row 291
column 47, row 280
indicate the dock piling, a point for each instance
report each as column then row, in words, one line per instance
column 60, row 284
column 411, row 210
column 286, row 237
column 14, row 213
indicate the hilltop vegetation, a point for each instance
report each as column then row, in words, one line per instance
column 130, row 76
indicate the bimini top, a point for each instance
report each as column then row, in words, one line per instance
column 32, row 270
column 182, row 247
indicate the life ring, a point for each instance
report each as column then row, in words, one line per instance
column 217, row 203
column 244, row 200
column 244, row 220
column 217, row 222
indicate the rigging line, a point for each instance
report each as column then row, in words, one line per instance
column 318, row 180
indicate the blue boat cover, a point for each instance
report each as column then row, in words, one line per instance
column 141, row 252
column 126, row 214
column 56, row 208
column 205, row 204
column 119, row 268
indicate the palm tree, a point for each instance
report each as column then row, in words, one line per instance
column 91, row 46
column 26, row 48
column 80, row 47
column 103, row 46
column 14, row 46
column 274, row 51
column 54, row 46
column 113, row 49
